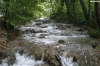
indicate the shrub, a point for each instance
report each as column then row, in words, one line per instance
column 95, row 33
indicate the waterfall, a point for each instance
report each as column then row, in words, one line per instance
column 23, row 60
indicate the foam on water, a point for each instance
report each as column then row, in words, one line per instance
column 67, row 61
column 48, row 33
column 23, row 60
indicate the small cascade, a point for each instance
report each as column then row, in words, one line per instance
column 66, row 61
column 23, row 60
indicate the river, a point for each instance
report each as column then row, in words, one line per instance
column 44, row 42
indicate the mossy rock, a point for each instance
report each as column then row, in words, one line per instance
column 21, row 52
column 11, row 58
column 61, row 41
column 38, row 23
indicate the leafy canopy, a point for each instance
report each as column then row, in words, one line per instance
column 18, row 11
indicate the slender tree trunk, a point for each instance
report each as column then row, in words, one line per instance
column 97, row 10
column 74, row 12
column 84, row 9
column 90, row 21
column 86, row 13
column 68, row 8
column 89, row 7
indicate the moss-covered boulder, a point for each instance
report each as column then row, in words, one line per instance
column 61, row 41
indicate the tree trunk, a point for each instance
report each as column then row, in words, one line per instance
column 86, row 13
column 68, row 8
column 89, row 7
column 74, row 12
column 84, row 9
column 97, row 10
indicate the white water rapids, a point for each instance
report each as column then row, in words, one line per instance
column 23, row 60
column 41, row 33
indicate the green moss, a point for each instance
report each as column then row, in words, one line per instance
column 61, row 41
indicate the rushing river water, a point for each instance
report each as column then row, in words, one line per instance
column 45, row 43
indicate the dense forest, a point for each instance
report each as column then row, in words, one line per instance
column 50, row 32
column 78, row 12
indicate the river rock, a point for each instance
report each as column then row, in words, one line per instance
column 74, row 59
column 61, row 41
column 94, row 44
column 38, row 23
column 21, row 52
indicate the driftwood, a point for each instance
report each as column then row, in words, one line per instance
column 59, row 60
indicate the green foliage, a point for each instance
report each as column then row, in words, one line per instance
column 59, row 16
column 75, row 14
column 18, row 11
column 95, row 33
column 43, row 9
column 80, row 19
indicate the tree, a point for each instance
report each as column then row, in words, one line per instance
column 67, row 2
column 85, row 12
column 97, row 10
column 18, row 11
